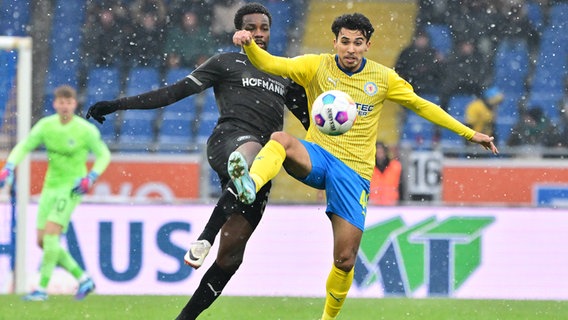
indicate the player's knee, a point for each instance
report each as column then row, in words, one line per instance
column 50, row 250
column 345, row 262
column 345, row 265
column 281, row 137
column 230, row 264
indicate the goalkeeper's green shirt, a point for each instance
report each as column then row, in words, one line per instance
column 68, row 147
column 369, row 87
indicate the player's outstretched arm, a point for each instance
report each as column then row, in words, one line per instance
column 150, row 100
column 485, row 141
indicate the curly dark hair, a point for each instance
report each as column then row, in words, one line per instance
column 354, row 21
column 250, row 8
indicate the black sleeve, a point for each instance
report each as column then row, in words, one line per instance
column 297, row 103
column 200, row 79
column 158, row 98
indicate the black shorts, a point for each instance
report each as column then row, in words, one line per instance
column 225, row 139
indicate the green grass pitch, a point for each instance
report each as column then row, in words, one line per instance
column 62, row 307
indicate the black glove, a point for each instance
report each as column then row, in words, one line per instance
column 102, row 108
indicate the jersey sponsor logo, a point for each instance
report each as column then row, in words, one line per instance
column 241, row 61
column 333, row 81
column 370, row 88
column 364, row 109
column 267, row 84
column 65, row 154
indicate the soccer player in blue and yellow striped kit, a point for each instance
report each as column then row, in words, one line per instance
column 340, row 165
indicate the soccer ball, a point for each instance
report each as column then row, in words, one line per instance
column 334, row 112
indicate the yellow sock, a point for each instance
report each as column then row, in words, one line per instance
column 337, row 286
column 326, row 317
column 267, row 163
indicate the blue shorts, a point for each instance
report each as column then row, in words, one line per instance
column 346, row 191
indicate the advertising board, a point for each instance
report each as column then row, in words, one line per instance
column 461, row 252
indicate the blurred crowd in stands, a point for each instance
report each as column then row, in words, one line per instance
column 517, row 49
column 162, row 34
column 462, row 56
column 155, row 33
column 487, row 62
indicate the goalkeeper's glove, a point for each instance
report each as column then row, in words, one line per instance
column 7, row 174
column 102, row 108
column 83, row 185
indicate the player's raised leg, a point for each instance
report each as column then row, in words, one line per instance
column 265, row 167
column 238, row 171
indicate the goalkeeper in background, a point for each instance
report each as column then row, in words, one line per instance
column 68, row 140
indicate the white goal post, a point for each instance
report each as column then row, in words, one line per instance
column 23, row 46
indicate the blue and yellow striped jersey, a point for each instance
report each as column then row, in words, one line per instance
column 369, row 87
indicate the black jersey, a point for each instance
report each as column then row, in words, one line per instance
column 246, row 97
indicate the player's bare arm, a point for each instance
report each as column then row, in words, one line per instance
column 485, row 141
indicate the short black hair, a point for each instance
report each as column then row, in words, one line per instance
column 250, row 8
column 354, row 21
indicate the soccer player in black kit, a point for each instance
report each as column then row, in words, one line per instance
column 251, row 107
